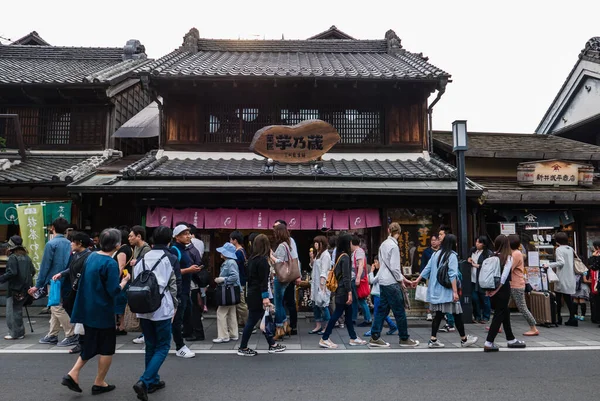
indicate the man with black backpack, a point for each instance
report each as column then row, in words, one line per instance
column 154, row 292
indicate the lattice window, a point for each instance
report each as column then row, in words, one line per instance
column 239, row 123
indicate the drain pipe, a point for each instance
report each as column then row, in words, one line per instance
column 441, row 91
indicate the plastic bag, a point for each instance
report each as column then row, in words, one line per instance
column 79, row 329
column 421, row 293
column 552, row 277
column 267, row 325
column 54, row 295
column 322, row 298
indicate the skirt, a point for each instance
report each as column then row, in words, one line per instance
column 583, row 292
column 98, row 342
column 449, row 307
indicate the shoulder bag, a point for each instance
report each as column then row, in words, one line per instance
column 578, row 266
column 443, row 273
column 287, row 271
column 363, row 290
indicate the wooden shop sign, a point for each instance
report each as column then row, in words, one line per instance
column 300, row 143
column 555, row 173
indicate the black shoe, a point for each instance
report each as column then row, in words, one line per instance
column 141, row 390
column 365, row 324
column 70, row 383
column 121, row 333
column 294, row 332
column 96, row 390
column 156, row 386
column 572, row 323
column 192, row 338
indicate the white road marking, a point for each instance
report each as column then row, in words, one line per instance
column 417, row 350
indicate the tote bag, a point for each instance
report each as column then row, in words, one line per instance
column 421, row 293
column 287, row 271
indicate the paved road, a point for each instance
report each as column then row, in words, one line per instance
column 414, row 376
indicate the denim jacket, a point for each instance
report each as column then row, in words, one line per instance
column 56, row 259
column 437, row 293
column 229, row 271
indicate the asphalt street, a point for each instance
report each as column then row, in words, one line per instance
column 547, row 376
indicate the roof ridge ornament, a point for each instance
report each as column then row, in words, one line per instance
column 591, row 51
column 134, row 50
column 393, row 41
column 190, row 41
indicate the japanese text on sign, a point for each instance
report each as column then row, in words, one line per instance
column 291, row 143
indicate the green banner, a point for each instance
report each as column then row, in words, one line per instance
column 31, row 221
column 53, row 211
column 8, row 214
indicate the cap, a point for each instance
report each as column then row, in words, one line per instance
column 179, row 229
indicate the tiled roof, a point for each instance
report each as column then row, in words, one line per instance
column 318, row 58
column 51, row 168
column 508, row 190
column 20, row 64
column 520, row 146
column 164, row 168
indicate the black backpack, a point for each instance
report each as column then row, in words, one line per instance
column 144, row 296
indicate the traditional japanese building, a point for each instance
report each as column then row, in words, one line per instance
column 58, row 109
column 366, row 164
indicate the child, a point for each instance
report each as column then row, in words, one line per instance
column 19, row 275
column 374, row 280
column 582, row 294
column 227, row 327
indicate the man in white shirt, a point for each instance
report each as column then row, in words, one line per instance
column 391, row 295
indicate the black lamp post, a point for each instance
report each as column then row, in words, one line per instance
column 460, row 146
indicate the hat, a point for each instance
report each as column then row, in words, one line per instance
column 179, row 229
column 15, row 242
column 227, row 250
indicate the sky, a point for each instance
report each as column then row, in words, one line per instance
column 507, row 59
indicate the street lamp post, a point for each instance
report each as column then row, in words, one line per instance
column 460, row 146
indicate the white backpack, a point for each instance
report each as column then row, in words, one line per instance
column 490, row 273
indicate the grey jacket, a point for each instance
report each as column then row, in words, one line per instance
column 564, row 270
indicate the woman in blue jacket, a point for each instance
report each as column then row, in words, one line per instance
column 444, row 300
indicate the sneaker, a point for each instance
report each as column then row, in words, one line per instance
column 368, row 333
column 409, row 343
column 234, row 338
column 185, row 353
column 277, row 348
column 491, row 348
column 517, row 344
column 581, row 318
column 469, row 341
column 327, row 344
column 69, row 341
column 246, row 352
column 49, row 340
column 429, row 317
column 9, row 337
column 435, row 344
column 392, row 331
column 221, row 340
column 139, row 340
column 358, row 341
column 447, row 329
column 379, row 343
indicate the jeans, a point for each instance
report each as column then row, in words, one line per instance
column 388, row 319
column 501, row 314
column 340, row 309
column 279, row 292
column 14, row 317
column 482, row 306
column 289, row 300
column 254, row 316
column 321, row 314
column 158, row 342
column 178, row 322
column 450, row 319
column 391, row 297
column 192, row 320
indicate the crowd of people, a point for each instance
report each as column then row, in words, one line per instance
column 258, row 288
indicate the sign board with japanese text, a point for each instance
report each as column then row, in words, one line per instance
column 508, row 228
column 555, row 173
column 300, row 143
column 31, row 222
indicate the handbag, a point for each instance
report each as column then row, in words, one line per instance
column 130, row 321
column 287, row 271
column 421, row 293
column 363, row 290
column 227, row 295
column 578, row 266
column 443, row 274
column 54, row 295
